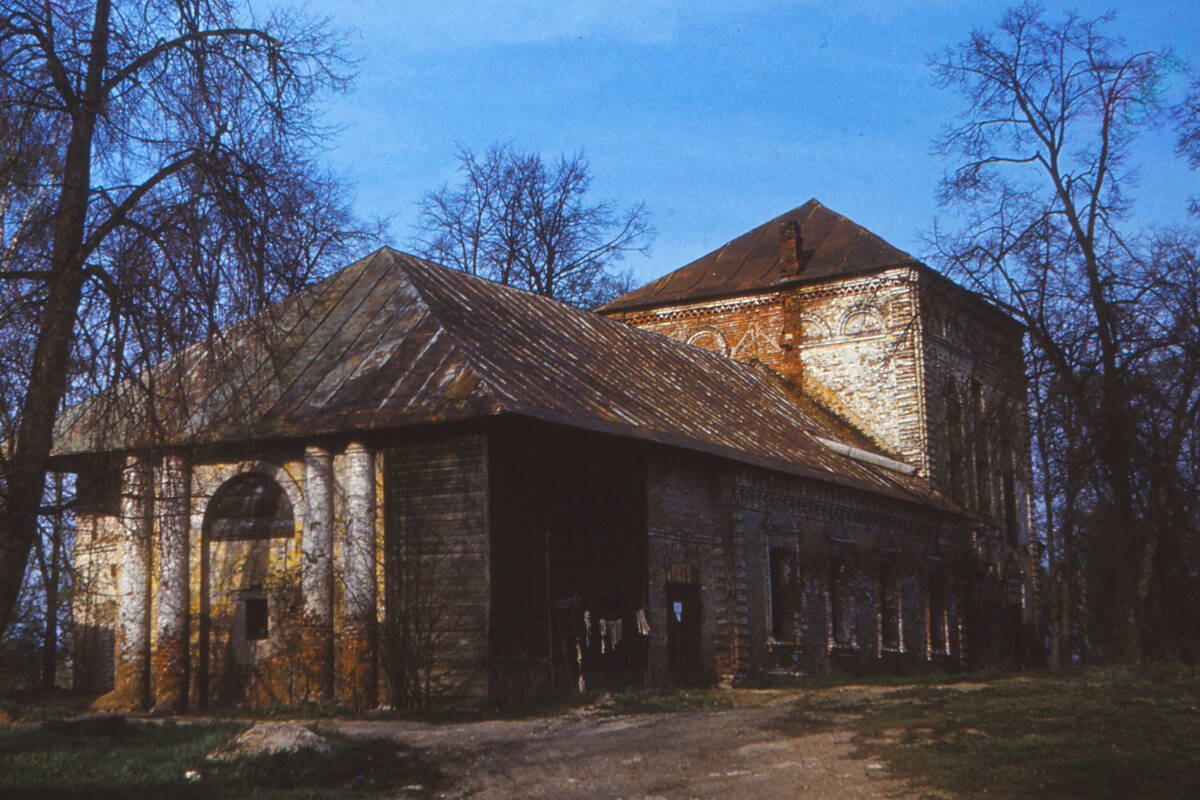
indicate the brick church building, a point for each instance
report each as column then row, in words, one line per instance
column 805, row 451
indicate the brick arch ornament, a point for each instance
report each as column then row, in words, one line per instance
column 709, row 338
column 861, row 320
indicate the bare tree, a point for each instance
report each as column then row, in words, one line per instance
column 1187, row 123
column 1041, row 192
column 180, row 188
column 520, row 222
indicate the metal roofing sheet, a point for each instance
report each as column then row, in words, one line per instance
column 393, row 340
column 831, row 245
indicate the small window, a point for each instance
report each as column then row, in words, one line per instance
column 982, row 452
column 1012, row 527
column 257, row 625
column 955, row 450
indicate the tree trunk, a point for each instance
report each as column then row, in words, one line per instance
column 1132, row 538
column 53, row 575
column 56, row 327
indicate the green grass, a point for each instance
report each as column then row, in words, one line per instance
column 38, row 706
column 148, row 760
column 665, row 702
column 1100, row 734
column 826, row 680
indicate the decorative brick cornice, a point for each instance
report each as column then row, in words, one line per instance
column 702, row 309
column 858, row 285
column 809, row 503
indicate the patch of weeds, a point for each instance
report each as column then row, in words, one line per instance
column 40, row 706
column 355, row 767
column 818, row 711
column 666, row 702
column 1110, row 734
column 543, row 708
column 167, row 760
column 829, row 680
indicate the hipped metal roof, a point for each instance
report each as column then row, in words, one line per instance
column 830, row 246
column 393, row 341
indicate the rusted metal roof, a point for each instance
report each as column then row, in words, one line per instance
column 806, row 244
column 394, row 341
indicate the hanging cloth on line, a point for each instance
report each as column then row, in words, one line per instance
column 579, row 664
column 643, row 627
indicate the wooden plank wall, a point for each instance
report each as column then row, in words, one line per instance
column 435, row 644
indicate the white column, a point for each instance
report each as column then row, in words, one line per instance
column 132, row 669
column 171, row 638
column 357, row 678
column 316, row 544
column 316, row 547
column 360, row 533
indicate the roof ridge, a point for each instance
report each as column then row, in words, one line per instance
column 834, row 247
column 196, row 354
column 403, row 287
column 407, row 262
column 810, row 424
column 253, row 325
column 365, row 271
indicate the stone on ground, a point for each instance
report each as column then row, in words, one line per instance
column 270, row 737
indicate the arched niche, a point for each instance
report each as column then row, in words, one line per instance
column 814, row 328
column 249, row 506
column 862, row 321
column 202, row 499
column 710, row 339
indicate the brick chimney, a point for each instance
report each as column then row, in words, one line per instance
column 790, row 242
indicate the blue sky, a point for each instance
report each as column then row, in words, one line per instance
column 719, row 116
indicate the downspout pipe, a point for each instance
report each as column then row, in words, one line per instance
column 867, row 457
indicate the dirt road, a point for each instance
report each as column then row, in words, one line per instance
column 748, row 752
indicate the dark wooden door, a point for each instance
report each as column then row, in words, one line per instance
column 683, row 633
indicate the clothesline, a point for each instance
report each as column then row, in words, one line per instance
column 612, row 631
